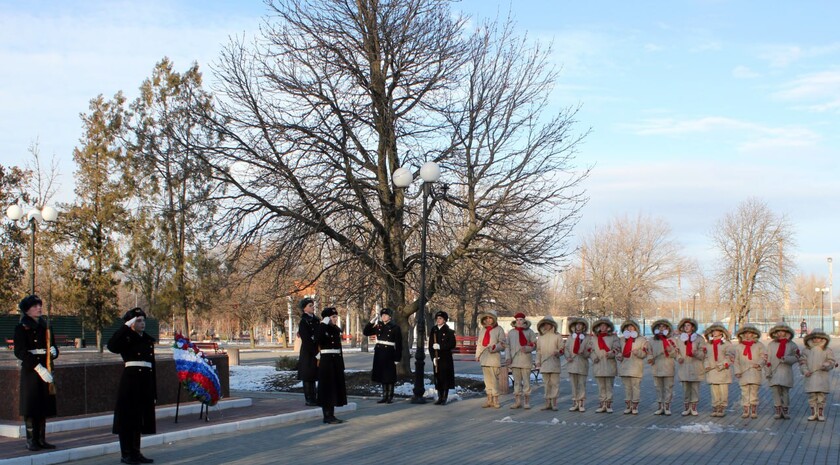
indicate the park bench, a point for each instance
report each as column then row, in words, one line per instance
column 465, row 344
column 63, row 340
column 208, row 346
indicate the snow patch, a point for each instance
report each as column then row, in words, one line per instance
column 704, row 428
column 250, row 378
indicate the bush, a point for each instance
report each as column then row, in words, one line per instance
column 286, row 364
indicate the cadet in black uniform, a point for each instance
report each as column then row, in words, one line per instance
column 332, row 390
column 387, row 353
column 441, row 344
column 36, row 401
column 135, row 410
column 307, row 364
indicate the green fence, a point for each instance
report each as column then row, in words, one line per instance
column 69, row 328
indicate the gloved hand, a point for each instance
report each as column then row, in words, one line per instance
column 53, row 351
column 131, row 322
column 326, row 320
column 44, row 373
column 436, row 346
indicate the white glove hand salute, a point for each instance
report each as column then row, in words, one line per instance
column 131, row 322
column 53, row 351
column 44, row 373
column 326, row 320
column 436, row 346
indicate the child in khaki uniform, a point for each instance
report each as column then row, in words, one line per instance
column 491, row 342
column 577, row 362
column 521, row 343
column 690, row 346
column 602, row 349
column 750, row 356
column 549, row 350
column 815, row 363
column 719, row 357
column 632, row 364
column 663, row 355
column 782, row 354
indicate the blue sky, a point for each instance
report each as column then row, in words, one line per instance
column 694, row 105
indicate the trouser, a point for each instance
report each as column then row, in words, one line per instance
column 749, row 394
column 664, row 386
column 605, row 388
column 130, row 443
column 578, row 386
column 720, row 395
column 552, row 385
column 491, row 380
column 816, row 398
column 521, row 381
column 691, row 391
column 781, row 396
column 632, row 388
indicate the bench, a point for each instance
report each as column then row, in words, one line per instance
column 208, row 346
column 10, row 344
column 465, row 344
column 63, row 340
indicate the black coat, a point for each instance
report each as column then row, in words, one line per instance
column 307, row 364
column 384, row 356
column 332, row 389
column 445, row 367
column 35, row 398
column 135, row 409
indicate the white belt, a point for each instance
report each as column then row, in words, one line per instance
column 387, row 343
column 138, row 364
column 38, row 351
column 330, row 351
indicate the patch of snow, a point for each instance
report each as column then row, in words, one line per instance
column 705, row 428
column 506, row 420
column 249, row 378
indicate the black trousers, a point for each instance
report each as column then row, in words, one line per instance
column 130, row 444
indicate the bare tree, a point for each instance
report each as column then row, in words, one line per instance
column 750, row 255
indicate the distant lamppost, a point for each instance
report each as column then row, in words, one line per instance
column 30, row 221
column 694, row 305
column 402, row 177
column 830, row 292
column 823, row 291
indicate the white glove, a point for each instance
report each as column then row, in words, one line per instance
column 436, row 346
column 44, row 373
column 326, row 320
column 53, row 351
column 130, row 322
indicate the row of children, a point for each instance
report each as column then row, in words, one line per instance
column 711, row 357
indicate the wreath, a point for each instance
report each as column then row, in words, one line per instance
column 195, row 371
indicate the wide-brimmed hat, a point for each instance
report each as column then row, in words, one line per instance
column 781, row 326
column 688, row 320
column 748, row 329
column 488, row 313
column 604, row 321
column 662, row 321
column 547, row 320
column 574, row 320
column 629, row 322
column 817, row 332
column 716, row 326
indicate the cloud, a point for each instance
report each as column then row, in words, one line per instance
column 782, row 56
column 818, row 92
column 743, row 72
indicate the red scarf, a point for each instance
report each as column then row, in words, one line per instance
column 628, row 347
column 689, row 348
column 486, row 341
column 664, row 340
column 601, row 344
column 715, row 344
column 576, row 348
column 782, row 347
column 523, row 341
column 748, row 348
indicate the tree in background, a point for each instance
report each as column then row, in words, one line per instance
column 13, row 240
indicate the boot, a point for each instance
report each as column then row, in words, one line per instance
column 496, row 402
column 694, row 409
column 309, row 394
column 602, row 407
column 581, row 408
column 627, row 408
column 813, row 413
column 574, row 406
column 137, row 454
column 609, row 406
column 42, row 433
column 686, row 409
column 390, row 394
column 32, row 434
column 660, row 410
column 754, row 411
column 821, row 412
column 722, row 411
column 778, row 415
column 384, row 398
column 785, row 413
column 746, row 413
column 554, row 404
column 445, row 396
column 527, row 405
column 667, row 410
column 329, row 416
column 714, row 411
column 516, row 403
column 634, row 408
column 489, row 402
column 547, row 405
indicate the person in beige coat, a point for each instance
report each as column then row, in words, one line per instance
column 631, row 367
column 490, row 344
column 816, row 361
column 782, row 354
column 690, row 347
column 522, row 341
column 577, row 362
column 663, row 353
column 549, row 350
column 718, row 366
column 750, row 356
column 602, row 348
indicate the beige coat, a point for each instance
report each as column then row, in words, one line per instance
column 577, row 363
column 548, row 344
column 490, row 356
column 691, row 370
column 745, row 366
column 779, row 372
column 719, row 371
column 516, row 355
column 663, row 365
column 603, row 361
column 819, row 362
column 633, row 366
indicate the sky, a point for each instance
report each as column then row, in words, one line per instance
column 693, row 105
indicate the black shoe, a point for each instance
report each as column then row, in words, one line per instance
column 332, row 421
column 311, row 404
column 382, row 400
column 130, row 460
column 143, row 459
column 45, row 445
column 33, row 446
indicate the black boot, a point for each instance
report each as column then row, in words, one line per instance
column 329, row 416
column 31, row 434
column 390, row 394
column 384, row 398
column 127, row 448
column 137, row 454
column 445, row 397
column 42, row 433
column 309, row 393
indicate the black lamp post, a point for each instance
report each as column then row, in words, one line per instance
column 822, row 291
column 33, row 217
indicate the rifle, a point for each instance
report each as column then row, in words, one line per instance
column 51, row 387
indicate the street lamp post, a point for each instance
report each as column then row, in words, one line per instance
column 33, row 217
column 830, row 292
column 694, row 305
column 822, row 291
column 402, row 177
